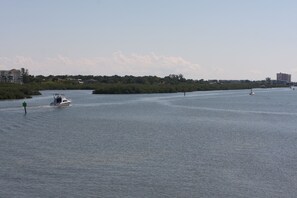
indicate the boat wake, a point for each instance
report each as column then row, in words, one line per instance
column 34, row 108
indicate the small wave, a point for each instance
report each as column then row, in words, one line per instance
column 233, row 110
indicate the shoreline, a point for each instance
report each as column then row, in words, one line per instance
column 17, row 91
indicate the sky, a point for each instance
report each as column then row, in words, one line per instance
column 201, row 39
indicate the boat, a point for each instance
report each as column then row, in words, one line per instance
column 252, row 92
column 60, row 100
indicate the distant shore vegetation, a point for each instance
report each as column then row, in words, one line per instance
column 123, row 85
column 16, row 91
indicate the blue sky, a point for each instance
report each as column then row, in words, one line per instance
column 209, row 39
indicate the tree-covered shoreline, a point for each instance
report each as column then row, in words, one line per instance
column 123, row 85
column 16, row 91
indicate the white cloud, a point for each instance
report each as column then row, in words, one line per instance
column 118, row 63
column 153, row 64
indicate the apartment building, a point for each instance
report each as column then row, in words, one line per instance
column 282, row 77
column 11, row 76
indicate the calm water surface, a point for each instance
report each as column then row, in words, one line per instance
column 206, row 144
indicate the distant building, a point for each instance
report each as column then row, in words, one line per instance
column 212, row 81
column 282, row 77
column 11, row 76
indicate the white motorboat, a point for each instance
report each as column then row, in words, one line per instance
column 60, row 101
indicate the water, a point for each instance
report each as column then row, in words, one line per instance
column 206, row 144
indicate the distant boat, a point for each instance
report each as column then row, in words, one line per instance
column 252, row 92
column 60, row 100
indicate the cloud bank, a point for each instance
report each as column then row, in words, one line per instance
column 118, row 63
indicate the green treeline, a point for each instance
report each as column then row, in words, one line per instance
column 123, row 85
column 16, row 91
column 167, row 88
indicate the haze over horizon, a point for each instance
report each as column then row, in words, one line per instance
column 209, row 39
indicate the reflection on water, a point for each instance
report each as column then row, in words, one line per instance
column 206, row 144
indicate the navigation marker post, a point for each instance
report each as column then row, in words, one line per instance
column 25, row 106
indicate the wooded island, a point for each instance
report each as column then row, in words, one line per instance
column 123, row 85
